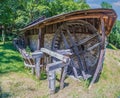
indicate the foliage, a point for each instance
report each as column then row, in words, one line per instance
column 61, row 6
column 114, row 37
column 111, row 46
column 106, row 5
column 15, row 14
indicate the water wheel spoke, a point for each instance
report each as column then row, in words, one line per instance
column 74, row 68
column 76, row 51
column 93, row 47
column 87, row 39
column 67, row 47
column 65, row 41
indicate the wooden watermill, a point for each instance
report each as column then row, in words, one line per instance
column 74, row 41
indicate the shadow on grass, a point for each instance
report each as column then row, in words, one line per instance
column 7, row 45
column 5, row 95
column 10, row 59
column 58, row 87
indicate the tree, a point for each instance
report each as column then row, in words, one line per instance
column 63, row 6
column 15, row 14
column 114, row 37
column 6, row 15
column 106, row 5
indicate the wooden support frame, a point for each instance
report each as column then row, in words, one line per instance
column 51, row 68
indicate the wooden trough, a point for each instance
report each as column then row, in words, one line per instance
column 79, row 37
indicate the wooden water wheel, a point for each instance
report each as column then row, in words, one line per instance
column 83, row 33
column 85, row 44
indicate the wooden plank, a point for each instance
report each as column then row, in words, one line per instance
column 94, row 46
column 54, row 66
column 86, row 40
column 66, row 52
column 37, row 54
column 28, row 65
column 63, row 58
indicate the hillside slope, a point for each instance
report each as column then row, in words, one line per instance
column 18, row 82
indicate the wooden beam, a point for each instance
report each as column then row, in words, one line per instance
column 54, row 66
column 63, row 58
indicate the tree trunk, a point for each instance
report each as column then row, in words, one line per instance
column 3, row 35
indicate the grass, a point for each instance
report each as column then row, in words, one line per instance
column 111, row 46
column 18, row 82
column 10, row 59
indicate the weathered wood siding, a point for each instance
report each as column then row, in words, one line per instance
column 48, row 40
column 33, row 41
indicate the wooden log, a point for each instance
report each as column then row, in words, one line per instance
column 66, row 52
column 94, row 46
column 64, row 73
column 28, row 65
column 54, row 66
column 51, row 79
column 63, row 58
column 37, row 54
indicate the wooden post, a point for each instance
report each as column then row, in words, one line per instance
column 51, row 79
column 39, row 39
column 63, row 75
column 37, row 56
column 3, row 34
